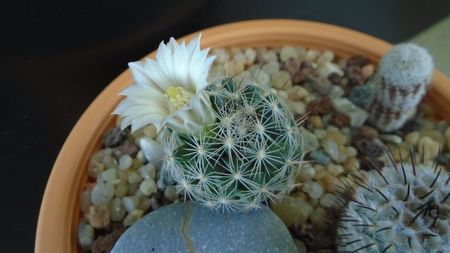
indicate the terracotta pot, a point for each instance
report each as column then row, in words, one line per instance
column 59, row 214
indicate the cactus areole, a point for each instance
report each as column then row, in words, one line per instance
column 246, row 157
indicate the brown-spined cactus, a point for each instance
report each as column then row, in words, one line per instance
column 403, row 76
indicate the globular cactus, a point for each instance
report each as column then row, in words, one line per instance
column 403, row 208
column 403, row 75
column 243, row 159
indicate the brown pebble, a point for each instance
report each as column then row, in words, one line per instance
column 105, row 243
column 368, row 147
column 368, row 163
column 292, row 66
column 340, row 120
column 127, row 148
column 114, row 137
column 367, row 71
column 355, row 75
column 368, row 132
column 357, row 60
column 300, row 75
column 334, row 78
column 98, row 216
column 319, row 107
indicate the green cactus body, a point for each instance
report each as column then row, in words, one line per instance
column 243, row 159
column 405, row 208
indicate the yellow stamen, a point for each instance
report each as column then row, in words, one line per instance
column 178, row 96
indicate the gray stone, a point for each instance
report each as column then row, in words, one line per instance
column 357, row 115
column 320, row 156
column 309, row 140
column 361, row 95
column 193, row 228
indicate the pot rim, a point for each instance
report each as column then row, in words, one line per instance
column 59, row 212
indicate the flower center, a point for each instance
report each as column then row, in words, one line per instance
column 178, row 96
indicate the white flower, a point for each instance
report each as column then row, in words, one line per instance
column 169, row 90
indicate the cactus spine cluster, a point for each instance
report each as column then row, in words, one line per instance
column 404, row 73
column 243, row 159
column 404, row 208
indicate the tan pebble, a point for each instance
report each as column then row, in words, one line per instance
column 311, row 55
column 335, row 134
column 313, row 189
column 428, row 148
column 412, row 138
column 447, row 137
column 132, row 188
column 281, row 80
column 287, row 53
column 134, row 177
column 145, row 205
column 368, row 132
column 306, row 173
column 271, row 67
column 351, row 151
column 301, row 52
column 221, row 54
column 391, row 138
column 316, row 121
column 148, row 186
column 435, row 135
column 328, row 200
column 95, row 169
column 367, row 71
column 121, row 189
column 330, row 183
column 321, row 134
column 300, row 246
column 327, row 68
column 132, row 217
column 313, row 202
column 298, row 107
column 297, row 92
column 292, row 210
column 352, row 163
column 270, row 55
column 300, row 194
column 235, row 50
column 282, row 94
column 335, row 169
column 326, row 56
column 150, row 131
column 99, row 216
column 170, row 193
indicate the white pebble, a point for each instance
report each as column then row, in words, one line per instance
column 271, row 67
column 391, row 138
column 282, row 94
column 250, row 55
column 109, row 176
column 117, row 210
column 311, row 55
column 326, row 56
column 102, row 193
column 221, row 54
column 125, row 162
column 287, row 53
column 297, row 92
column 85, row 235
column 314, row 189
column 130, row 203
column 121, row 189
column 147, row 171
column 86, row 201
column 325, row 69
column 148, row 186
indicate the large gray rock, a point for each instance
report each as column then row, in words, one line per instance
column 192, row 228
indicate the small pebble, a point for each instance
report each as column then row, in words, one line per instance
column 292, row 210
column 298, row 107
column 134, row 177
column 114, row 137
column 310, row 141
column 271, row 67
column 328, row 68
column 357, row 60
column 311, row 55
column 335, row 169
column 130, row 203
column 109, row 176
column 132, row 217
column 428, row 148
column 281, row 80
column 357, row 115
column 391, row 138
column 99, row 216
column 292, row 66
column 321, row 85
column 336, row 91
column 362, row 95
column 368, row 132
column 328, row 200
column 148, row 186
column 316, row 121
column 102, row 193
column 320, row 156
column 118, row 211
column 340, row 120
column 330, row 183
column 326, row 56
column 367, row 71
column 335, row 151
column 412, row 138
column 250, row 55
column 287, row 53
column 300, row 246
column 354, row 75
column 319, row 218
column 314, row 189
column 85, row 235
column 170, row 193
column 221, row 54
column 297, row 92
column 319, row 107
column 447, row 137
column 368, row 147
column 306, row 173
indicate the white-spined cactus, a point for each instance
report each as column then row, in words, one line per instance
column 243, row 159
column 404, row 208
column 404, row 73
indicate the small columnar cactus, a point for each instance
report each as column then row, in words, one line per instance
column 404, row 73
column 243, row 159
column 404, row 208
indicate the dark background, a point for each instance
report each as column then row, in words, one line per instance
column 56, row 57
